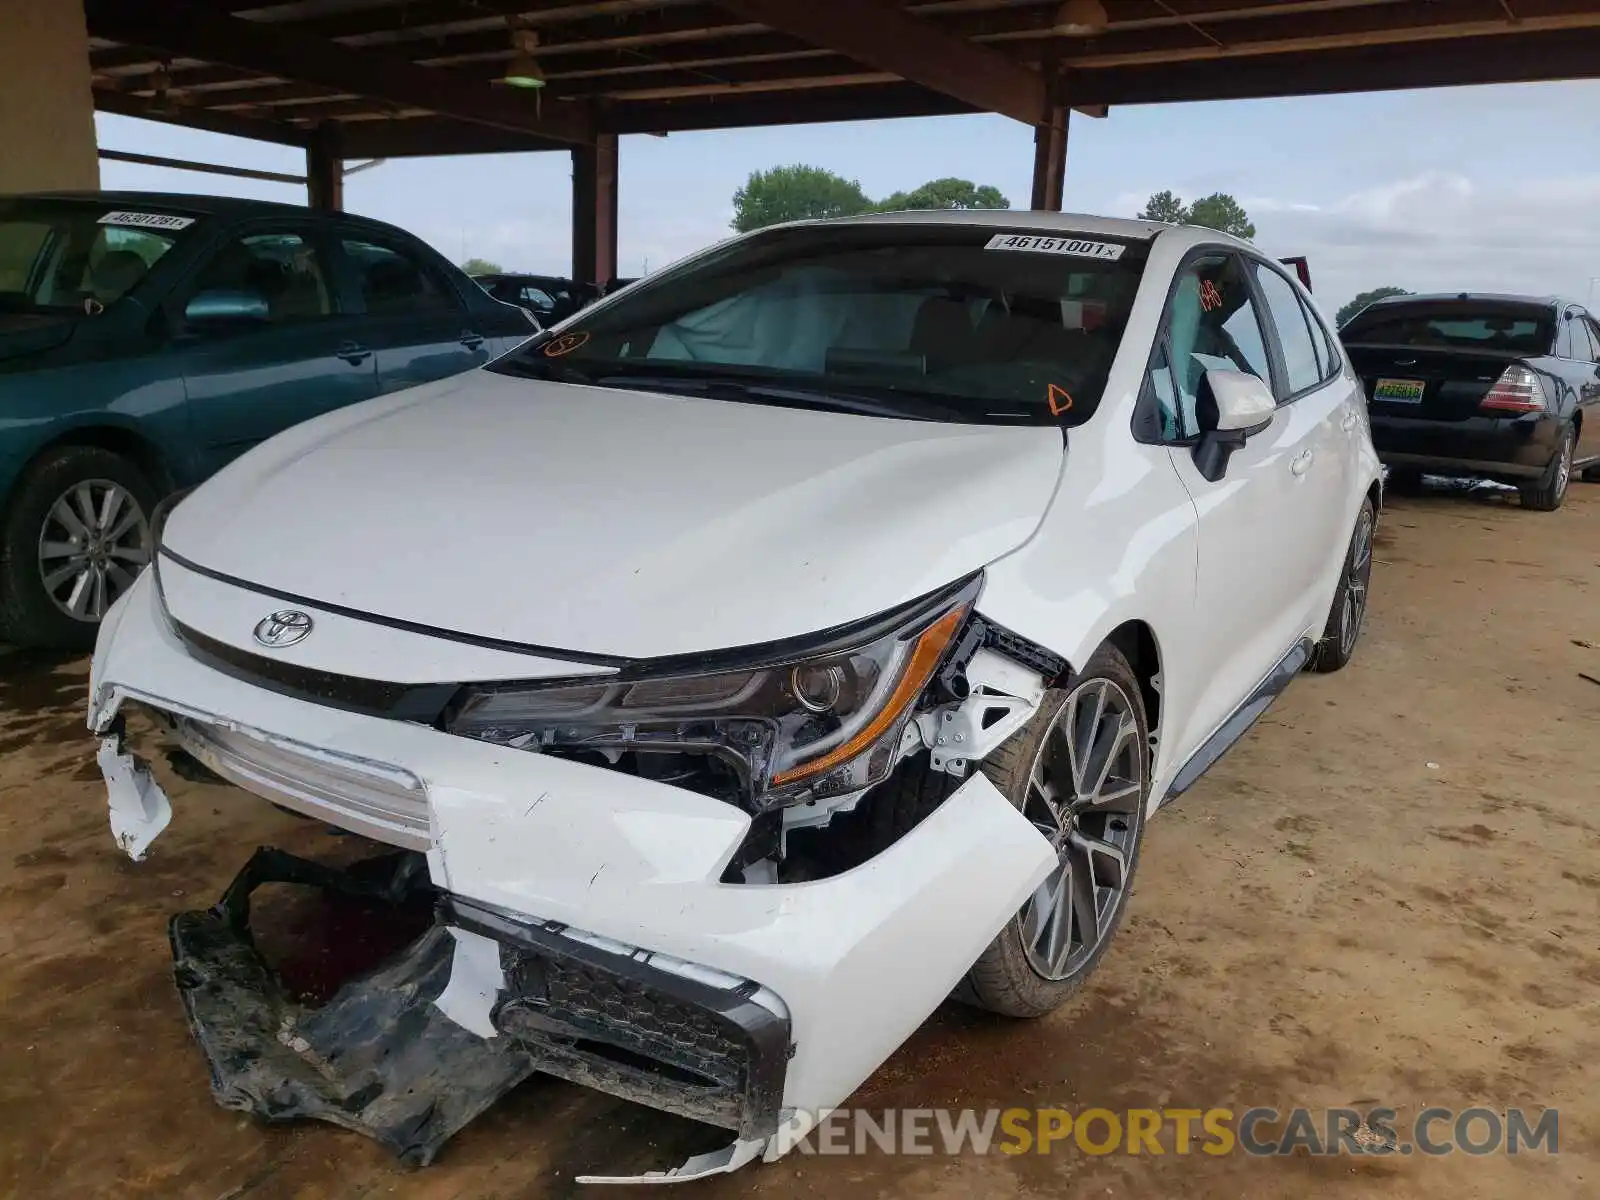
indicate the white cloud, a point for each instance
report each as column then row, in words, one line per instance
column 1441, row 231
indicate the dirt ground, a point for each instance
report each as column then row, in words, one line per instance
column 1388, row 893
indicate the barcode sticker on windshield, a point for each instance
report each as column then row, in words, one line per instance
column 1037, row 244
column 147, row 220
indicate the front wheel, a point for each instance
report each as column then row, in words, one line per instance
column 1080, row 772
column 1551, row 490
column 1343, row 630
column 74, row 539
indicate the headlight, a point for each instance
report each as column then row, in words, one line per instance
column 789, row 726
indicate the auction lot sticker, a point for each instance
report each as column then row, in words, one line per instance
column 147, row 220
column 1039, row 244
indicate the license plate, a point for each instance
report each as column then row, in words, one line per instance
column 1400, row 391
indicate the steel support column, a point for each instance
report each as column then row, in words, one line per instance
column 1050, row 159
column 594, row 210
column 325, row 168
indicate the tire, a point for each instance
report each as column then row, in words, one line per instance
column 1551, row 490
column 1591, row 474
column 80, row 477
column 1013, row 975
column 1343, row 630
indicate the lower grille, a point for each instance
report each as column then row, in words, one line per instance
column 372, row 799
column 672, row 1035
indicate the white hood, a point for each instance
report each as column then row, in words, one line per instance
column 615, row 522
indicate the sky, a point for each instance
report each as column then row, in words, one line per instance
column 1455, row 189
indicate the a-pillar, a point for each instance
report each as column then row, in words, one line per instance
column 1050, row 159
column 594, row 210
column 325, row 168
column 46, row 100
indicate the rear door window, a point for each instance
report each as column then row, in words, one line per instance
column 1584, row 341
column 1294, row 335
column 395, row 283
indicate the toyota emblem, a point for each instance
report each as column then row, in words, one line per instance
column 283, row 628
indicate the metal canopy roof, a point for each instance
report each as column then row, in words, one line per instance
column 399, row 77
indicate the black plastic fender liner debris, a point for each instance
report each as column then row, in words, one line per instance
column 378, row 1058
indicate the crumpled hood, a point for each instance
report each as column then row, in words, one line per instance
column 615, row 522
column 30, row 333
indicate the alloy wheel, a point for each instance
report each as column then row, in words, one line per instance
column 1353, row 601
column 1084, row 791
column 94, row 542
column 1564, row 467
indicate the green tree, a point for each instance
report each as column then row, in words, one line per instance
column 1364, row 299
column 1164, row 206
column 1221, row 211
column 481, row 266
column 1216, row 211
column 795, row 193
column 945, row 193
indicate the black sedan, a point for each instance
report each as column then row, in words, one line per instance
column 549, row 298
column 1472, row 385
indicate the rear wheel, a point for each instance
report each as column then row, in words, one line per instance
column 1343, row 630
column 1592, row 474
column 74, row 539
column 1551, row 490
column 1080, row 772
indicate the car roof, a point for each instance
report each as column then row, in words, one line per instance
column 232, row 207
column 1483, row 297
column 1127, row 228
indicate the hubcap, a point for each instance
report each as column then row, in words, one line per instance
column 94, row 542
column 1084, row 792
column 1564, row 467
column 1353, row 607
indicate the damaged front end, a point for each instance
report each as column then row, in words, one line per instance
column 728, row 893
column 410, row 1052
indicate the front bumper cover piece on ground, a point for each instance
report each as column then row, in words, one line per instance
column 392, row 1054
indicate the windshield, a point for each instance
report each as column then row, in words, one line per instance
column 76, row 257
column 952, row 324
column 1461, row 326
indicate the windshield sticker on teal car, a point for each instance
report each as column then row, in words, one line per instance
column 147, row 220
column 1110, row 251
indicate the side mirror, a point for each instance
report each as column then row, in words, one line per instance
column 225, row 308
column 1232, row 406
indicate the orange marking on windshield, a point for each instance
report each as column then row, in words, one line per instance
column 1210, row 297
column 565, row 344
column 1059, row 399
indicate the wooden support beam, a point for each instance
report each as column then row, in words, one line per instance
column 106, row 100
column 1050, row 160
column 325, row 168
column 187, row 31
column 882, row 35
column 594, row 210
column 187, row 164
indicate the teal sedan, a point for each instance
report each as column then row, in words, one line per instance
column 147, row 339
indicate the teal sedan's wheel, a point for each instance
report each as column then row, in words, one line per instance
column 74, row 539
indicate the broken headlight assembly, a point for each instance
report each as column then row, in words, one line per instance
column 791, row 723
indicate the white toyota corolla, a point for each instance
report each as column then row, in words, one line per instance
column 795, row 637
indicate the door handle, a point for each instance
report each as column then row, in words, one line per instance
column 353, row 353
column 471, row 340
column 1348, row 422
column 1301, row 463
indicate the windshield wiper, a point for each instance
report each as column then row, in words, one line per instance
column 531, row 365
column 718, row 386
